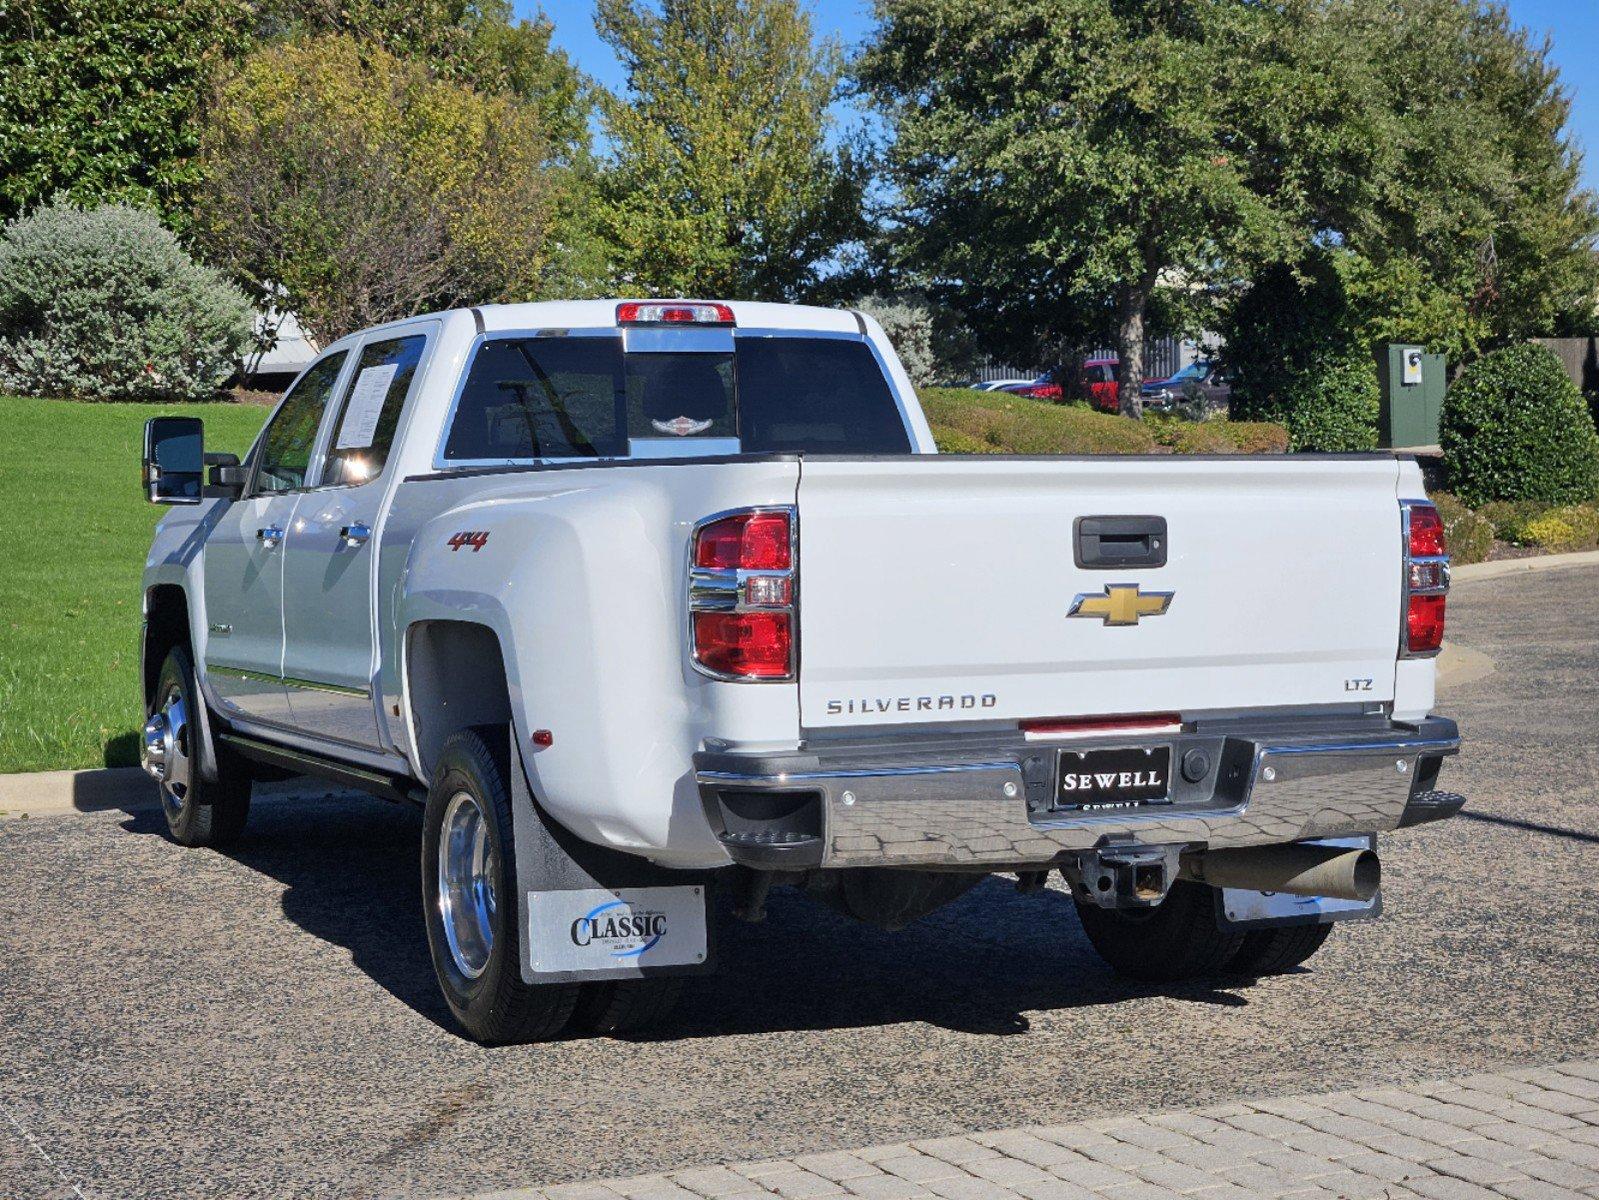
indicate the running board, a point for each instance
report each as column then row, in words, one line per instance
column 304, row 762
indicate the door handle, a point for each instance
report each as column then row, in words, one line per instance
column 356, row 534
column 1109, row 543
column 269, row 537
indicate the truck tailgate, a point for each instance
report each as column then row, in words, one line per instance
column 937, row 589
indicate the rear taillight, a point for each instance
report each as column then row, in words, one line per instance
column 1425, row 580
column 751, row 541
column 742, row 595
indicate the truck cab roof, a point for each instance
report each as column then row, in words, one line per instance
column 591, row 314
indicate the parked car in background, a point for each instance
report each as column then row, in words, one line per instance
column 1096, row 382
column 1199, row 388
column 999, row 385
column 1042, row 388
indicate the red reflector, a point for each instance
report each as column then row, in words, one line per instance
column 1424, row 624
column 752, row 645
column 1426, row 532
column 658, row 312
column 543, row 737
column 1095, row 726
column 757, row 541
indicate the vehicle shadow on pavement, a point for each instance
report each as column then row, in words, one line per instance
column 348, row 867
column 349, row 872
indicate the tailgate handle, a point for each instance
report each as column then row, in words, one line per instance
column 1106, row 543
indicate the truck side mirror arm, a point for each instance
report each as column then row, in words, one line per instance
column 225, row 477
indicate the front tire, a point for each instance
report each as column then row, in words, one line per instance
column 1177, row 939
column 199, row 811
column 470, row 898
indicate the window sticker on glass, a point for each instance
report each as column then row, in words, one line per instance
column 365, row 405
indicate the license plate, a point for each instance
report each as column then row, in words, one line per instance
column 1099, row 780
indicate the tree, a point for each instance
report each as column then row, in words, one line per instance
column 353, row 187
column 97, row 99
column 721, row 181
column 479, row 43
column 1441, row 173
column 1057, row 161
column 1298, row 352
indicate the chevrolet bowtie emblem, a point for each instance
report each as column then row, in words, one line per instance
column 1121, row 604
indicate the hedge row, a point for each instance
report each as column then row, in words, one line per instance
column 971, row 422
column 1556, row 528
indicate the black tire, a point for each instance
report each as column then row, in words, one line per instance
column 200, row 811
column 1177, row 939
column 620, row 1006
column 1276, row 951
column 482, row 981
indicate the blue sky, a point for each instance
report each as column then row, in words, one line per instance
column 1574, row 25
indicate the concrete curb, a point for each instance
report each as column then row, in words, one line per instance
column 1516, row 566
column 113, row 789
column 55, row 793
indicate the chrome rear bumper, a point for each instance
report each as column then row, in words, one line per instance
column 986, row 802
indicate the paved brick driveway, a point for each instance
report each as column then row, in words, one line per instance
column 1524, row 1134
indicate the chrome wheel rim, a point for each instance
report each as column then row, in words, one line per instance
column 168, row 752
column 468, row 868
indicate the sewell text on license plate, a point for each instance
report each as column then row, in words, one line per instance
column 1104, row 780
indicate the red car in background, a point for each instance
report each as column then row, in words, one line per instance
column 1097, row 381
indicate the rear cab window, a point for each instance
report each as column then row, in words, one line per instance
column 575, row 397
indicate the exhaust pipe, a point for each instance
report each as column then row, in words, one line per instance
column 1295, row 869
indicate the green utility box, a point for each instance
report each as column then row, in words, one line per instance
column 1413, row 384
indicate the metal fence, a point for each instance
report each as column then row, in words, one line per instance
column 1580, row 357
column 1162, row 357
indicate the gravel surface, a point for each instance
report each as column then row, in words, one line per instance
column 184, row 1023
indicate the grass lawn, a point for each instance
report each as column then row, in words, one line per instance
column 74, row 530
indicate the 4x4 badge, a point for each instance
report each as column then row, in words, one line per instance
column 475, row 538
column 1120, row 604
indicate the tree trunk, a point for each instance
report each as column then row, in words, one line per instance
column 1130, row 305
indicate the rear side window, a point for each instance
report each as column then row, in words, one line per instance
column 365, row 429
column 815, row 395
column 566, row 397
column 550, row 397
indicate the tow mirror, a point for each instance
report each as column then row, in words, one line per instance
column 174, row 460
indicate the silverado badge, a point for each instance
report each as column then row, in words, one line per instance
column 1121, row 604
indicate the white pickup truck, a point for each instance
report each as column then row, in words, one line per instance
column 646, row 599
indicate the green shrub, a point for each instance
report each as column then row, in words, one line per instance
column 1008, row 424
column 1218, row 436
column 1510, row 517
column 1514, row 427
column 1571, row 527
column 1258, row 437
column 1470, row 535
column 953, row 441
column 1331, row 407
column 103, row 304
column 908, row 324
column 1202, row 437
column 1297, row 354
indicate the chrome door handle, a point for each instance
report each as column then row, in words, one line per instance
column 269, row 537
column 356, row 535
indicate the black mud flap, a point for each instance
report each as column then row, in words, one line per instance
column 585, row 912
column 1238, row 910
